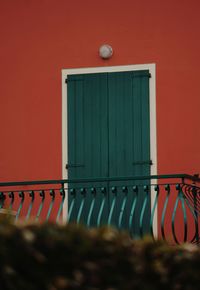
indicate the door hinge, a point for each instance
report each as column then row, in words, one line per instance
column 141, row 74
column 146, row 162
column 67, row 166
column 73, row 80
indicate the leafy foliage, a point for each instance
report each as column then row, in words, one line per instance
column 50, row 256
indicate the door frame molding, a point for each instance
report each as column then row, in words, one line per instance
column 152, row 109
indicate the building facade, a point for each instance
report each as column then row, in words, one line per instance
column 44, row 43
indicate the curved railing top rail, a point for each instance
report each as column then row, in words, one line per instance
column 183, row 177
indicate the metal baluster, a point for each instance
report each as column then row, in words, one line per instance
column 62, row 193
column 146, row 190
column 11, row 196
column 135, row 190
column 125, row 191
column 114, row 191
column 174, row 215
column 167, row 189
column 52, row 194
column 83, row 193
column 21, row 195
column 195, row 201
column 42, row 194
column 93, row 192
column 195, row 216
column 103, row 190
column 182, row 200
column 157, row 190
column 188, row 189
column 73, row 193
column 2, row 199
column 32, row 195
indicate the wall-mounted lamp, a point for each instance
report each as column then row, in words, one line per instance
column 105, row 51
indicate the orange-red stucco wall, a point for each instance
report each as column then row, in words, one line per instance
column 41, row 37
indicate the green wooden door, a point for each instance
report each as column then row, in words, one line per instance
column 108, row 136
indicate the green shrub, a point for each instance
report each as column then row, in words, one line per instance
column 49, row 256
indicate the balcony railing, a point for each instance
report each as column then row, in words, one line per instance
column 165, row 206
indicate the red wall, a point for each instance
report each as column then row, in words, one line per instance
column 41, row 37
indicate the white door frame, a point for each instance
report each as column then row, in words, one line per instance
column 152, row 103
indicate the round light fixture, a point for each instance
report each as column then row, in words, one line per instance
column 105, row 51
